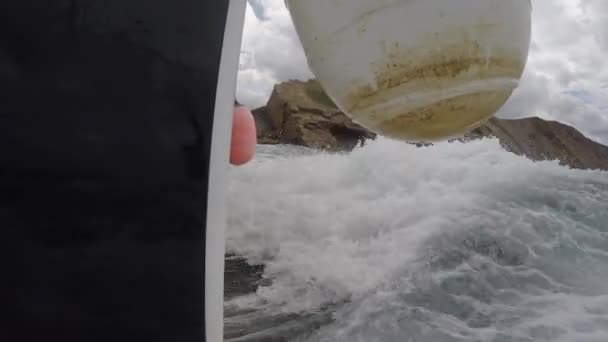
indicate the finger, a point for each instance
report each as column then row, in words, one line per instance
column 244, row 137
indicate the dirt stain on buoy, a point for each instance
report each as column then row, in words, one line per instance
column 404, row 72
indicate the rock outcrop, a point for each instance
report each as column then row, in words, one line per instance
column 301, row 113
column 539, row 139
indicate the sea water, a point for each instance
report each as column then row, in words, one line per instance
column 452, row 242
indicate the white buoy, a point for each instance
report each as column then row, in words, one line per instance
column 416, row 70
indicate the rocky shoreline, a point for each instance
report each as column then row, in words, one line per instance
column 300, row 113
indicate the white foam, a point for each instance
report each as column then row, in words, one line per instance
column 350, row 226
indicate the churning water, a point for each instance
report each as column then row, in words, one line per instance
column 454, row 242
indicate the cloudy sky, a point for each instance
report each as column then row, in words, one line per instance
column 566, row 78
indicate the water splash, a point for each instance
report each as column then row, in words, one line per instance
column 454, row 242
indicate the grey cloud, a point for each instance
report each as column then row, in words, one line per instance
column 528, row 99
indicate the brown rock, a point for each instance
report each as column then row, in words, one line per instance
column 539, row 139
column 300, row 113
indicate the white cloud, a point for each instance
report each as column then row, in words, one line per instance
column 271, row 53
column 565, row 79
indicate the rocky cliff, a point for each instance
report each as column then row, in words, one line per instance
column 301, row 113
column 539, row 139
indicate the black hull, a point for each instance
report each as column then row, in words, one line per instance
column 106, row 117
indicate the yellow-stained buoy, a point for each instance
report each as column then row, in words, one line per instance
column 416, row 70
